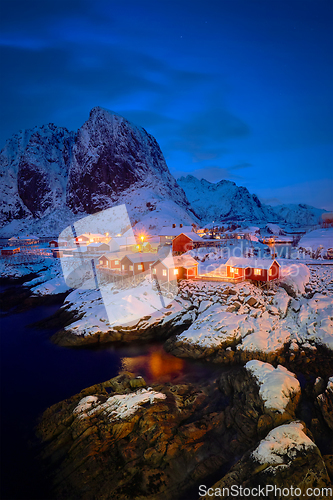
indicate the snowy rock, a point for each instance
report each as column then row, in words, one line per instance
column 294, row 278
column 120, row 406
column 278, row 388
column 282, row 444
column 281, row 300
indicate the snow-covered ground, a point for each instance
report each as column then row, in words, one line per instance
column 263, row 322
column 317, row 242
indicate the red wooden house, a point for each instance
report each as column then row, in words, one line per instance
column 111, row 260
column 185, row 242
column 136, row 263
column 167, row 234
column 58, row 243
column 86, row 238
column 10, row 250
column 252, row 269
column 173, row 268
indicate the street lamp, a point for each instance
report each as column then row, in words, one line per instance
column 142, row 240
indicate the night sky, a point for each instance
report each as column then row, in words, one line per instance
column 231, row 89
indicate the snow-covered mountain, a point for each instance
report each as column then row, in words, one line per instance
column 301, row 214
column 50, row 176
column 224, row 201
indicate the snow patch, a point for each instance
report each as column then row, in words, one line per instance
column 281, row 445
column 277, row 385
column 117, row 407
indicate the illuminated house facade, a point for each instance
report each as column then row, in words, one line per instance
column 252, row 269
column 174, row 268
column 86, row 238
column 133, row 264
column 186, row 241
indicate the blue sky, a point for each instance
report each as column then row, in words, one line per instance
column 233, row 89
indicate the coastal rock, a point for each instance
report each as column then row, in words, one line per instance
column 285, row 462
column 325, row 402
column 117, row 440
column 279, row 389
column 268, row 395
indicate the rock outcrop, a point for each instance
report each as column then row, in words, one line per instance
column 325, row 402
column 98, row 444
column 286, row 464
column 121, row 439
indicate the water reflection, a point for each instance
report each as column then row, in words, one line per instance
column 155, row 366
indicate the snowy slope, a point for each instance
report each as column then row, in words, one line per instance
column 50, row 177
column 223, row 201
column 303, row 215
column 318, row 239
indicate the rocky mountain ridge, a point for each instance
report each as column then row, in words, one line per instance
column 225, row 201
column 49, row 174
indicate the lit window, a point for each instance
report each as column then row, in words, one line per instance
column 101, row 262
column 140, row 267
column 270, row 272
column 169, row 237
column 236, row 271
column 123, row 267
column 164, row 272
column 131, row 268
column 257, row 271
column 116, row 262
column 80, row 239
column 232, row 270
column 154, row 270
column 175, row 271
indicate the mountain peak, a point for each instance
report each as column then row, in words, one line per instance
column 222, row 201
column 108, row 161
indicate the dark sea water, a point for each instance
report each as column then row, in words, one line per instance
column 36, row 374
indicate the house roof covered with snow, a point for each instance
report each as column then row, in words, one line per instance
column 141, row 257
column 254, row 263
column 185, row 261
column 92, row 235
column 96, row 245
column 113, row 255
column 175, row 231
column 193, row 236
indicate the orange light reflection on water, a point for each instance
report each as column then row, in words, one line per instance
column 156, row 365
